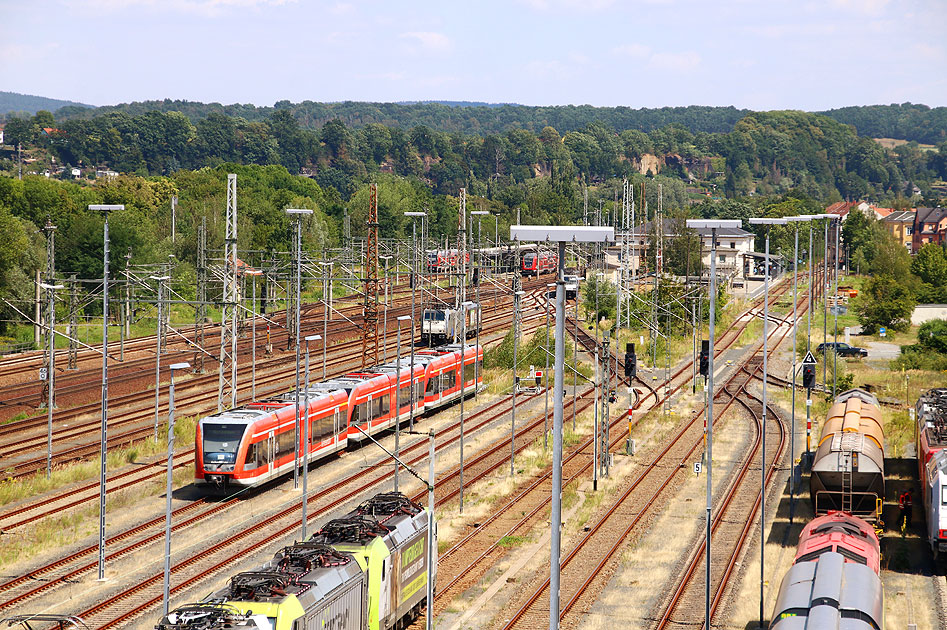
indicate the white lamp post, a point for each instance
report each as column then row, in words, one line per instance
column 160, row 280
column 796, row 220
column 105, row 379
column 297, row 215
column 766, row 272
column 713, row 225
column 403, row 318
column 307, row 438
column 414, row 286
column 167, row 512
column 560, row 235
column 327, row 310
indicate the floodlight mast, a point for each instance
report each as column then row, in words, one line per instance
column 560, row 235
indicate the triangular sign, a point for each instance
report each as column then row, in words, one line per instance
column 809, row 359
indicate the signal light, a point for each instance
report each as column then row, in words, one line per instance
column 704, row 357
column 631, row 361
column 808, row 376
column 476, row 276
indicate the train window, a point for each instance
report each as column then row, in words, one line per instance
column 432, row 385
column 361, row 413
column 221, row 442
column 256, row 456
column 470, row 372
column 943, row 494
column 448, row 380
column 284, row 443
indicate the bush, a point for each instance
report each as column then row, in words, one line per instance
column 917, row 357
column 932, row 335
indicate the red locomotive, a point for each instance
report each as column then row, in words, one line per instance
column 249, row 445
column 534, row 263
column 842, row 533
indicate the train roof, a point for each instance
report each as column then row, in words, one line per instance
column 314, row 392
column 932, row 416
column 391, row 516
column 858, row 393
column 829, row 593
column 236, row 415
column 211, row 616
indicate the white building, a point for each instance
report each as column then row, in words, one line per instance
column 733, row 247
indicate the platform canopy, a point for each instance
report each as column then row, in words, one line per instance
column 562, row 233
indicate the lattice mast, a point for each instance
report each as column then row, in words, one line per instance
column 370, row 312
column 73, row 329
column 461, row 251
column 227, row 383
column 49, row 348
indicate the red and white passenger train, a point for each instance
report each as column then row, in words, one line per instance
column 254, row 443
column 535, row 263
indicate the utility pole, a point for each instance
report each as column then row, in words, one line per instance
column 50, row 347
column 227, row 383
column 174, row 208
column 200, row 313
column 73, row 330
column 370, row 309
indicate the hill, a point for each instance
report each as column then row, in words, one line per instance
column 14, row 102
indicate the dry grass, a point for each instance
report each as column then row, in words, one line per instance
column 12, row 490
column 65, row 530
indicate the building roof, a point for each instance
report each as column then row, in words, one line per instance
column 841, row 208
column 900, row 216
column 882, row 213
column 931, row 215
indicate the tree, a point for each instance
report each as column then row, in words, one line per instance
column 885, row 302
column 607, row 298
column 930, row 265
column 932, row 335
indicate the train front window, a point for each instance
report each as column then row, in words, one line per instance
column 943, row 495
column 221, row 442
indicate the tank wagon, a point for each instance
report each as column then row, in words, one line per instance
column 368, row 569
column 834, row 580
column 931, row 440
column 848, row 465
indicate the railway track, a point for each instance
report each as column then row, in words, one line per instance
column 75, row 496
column 191, row 398
column 633, row 508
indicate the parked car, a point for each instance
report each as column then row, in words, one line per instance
column 843, row 349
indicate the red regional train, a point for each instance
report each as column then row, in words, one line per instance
column 444, row 260
column 252, row 444
column 534, row 263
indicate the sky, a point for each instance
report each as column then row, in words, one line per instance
column 756, row 54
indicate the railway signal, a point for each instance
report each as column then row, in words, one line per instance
column 808, row 375
column 631, row 361
column 704, row 357
column 808, row 381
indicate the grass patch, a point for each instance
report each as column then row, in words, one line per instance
column 512, row 541
column 17, row 489
column 20, row 416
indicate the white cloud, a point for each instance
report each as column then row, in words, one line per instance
column 681, row 62
column 676, row 61
column 428, row 39
column 638, row 51
column 342, row 8
column 579, row 5
column 199, row 7
column 868, row 7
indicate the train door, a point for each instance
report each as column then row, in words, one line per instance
column 270, row 452
column 336, row 420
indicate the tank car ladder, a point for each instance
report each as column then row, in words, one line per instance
column 847, row 474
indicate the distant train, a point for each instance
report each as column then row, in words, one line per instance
column 534, row 263
column 834, row 581
column 368, row 569
column 440, row 325
column 931, row 440
column 444, row 260
column 254, row 443
column 848, row 468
